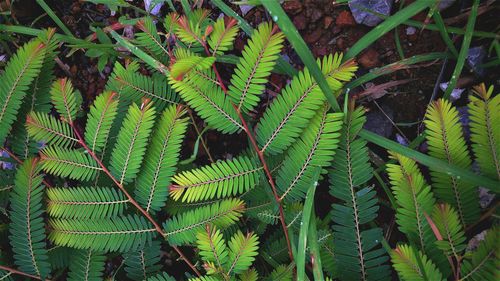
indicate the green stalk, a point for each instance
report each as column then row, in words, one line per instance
column 389, row 24
column 293, row 36
column 54, row 17
column 444, row 33
column 463, row 50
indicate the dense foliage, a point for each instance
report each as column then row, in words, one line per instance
column 108, row 183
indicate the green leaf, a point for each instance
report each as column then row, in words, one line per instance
column 27, row 229
column 20, row 71
column 448, row 224
column 160, row 163
column 66, row 100
column 242, row 251
column 85, row 202
column 131, row 142
column 413, row 265
column 47, row 129
column 258, row 59
column 73, row 164
column 482, row 264
column 212, row 247
column 87, row 265
column 218, row 180
column 144, row 262
column 222, row 37
column 121, row 234
column 101, row 115
column 182, row 228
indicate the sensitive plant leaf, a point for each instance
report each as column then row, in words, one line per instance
column 315, row 148
column 27, row 229
column 161, row 159
column 221, row 39
column 242, row 251
column 182, row 228
column 87, row 265
column 161, row 277
column 19, row 73
column 258, row 59
column 66, row 100
column 357, row 252
column 85, row 202
column 143, row 263
column 187, row 61
column 131, row 143
column 483, row 263
column 445, row 140
column 297, row 104
column 204, row 95
column 101, row 115
column 47, row 129
column 411, row 264
column 74, row 164
column 150, row 39
column 212, row 246
column 484, row 110
column 448, row 224
column 120, row 234
column 218, row 180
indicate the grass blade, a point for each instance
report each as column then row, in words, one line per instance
column 431, row 162
column 381, row 29
column 307, row 212
column 463, row 50
column 54, row 17
column 293, row 36
column 314, row 249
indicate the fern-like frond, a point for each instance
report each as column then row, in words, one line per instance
column 131, row 142
column 143, row 263
column 357, row 251
column 483, row 263
column 150, row 39
column 59, row 257
column 222, row 37
column 484, row 110
column 37, row 99
column 134, row 87
column 187, row 61
column 20, row 71
column 282, row 273
column 218, row 180
column 86, row 265
column 445, row 140
column 242, row 251
column 298, row 102
column 47, row 129
column 66, row 100
column 447, row 222
column 190, row 30
column 208, row 99
column 101, row 115
column 258, row 59
column 411, row 264
column 249, row 275
column 415, row 200
column 212, row 247
column 160, row 163
column 182, row 229
column 85, row 202
column 27, row 229
column 73, row 164
column 315, row 148
column 122, row 234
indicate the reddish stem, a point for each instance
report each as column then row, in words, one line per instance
column 14, row 271
column 129, row 197
column 269, row 177
column 219, row 78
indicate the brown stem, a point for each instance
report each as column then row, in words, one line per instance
column 129, row 197
column 219, row 78
column 269, row 177
column 14, row 271
column 19, row 161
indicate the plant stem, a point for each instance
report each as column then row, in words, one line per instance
column 129, row 197
column 269, row 177
column 14, row 271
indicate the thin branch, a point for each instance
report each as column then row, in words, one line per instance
column 203, row 143
column 129, row 197
column 14, row 271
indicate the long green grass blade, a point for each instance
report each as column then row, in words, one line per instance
column 431, row 162
column 444, row 33
column 307, row 213
column 293, row 36
column 463, row 50
column 390, row 23
column 314, row 249
column 54, row 17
